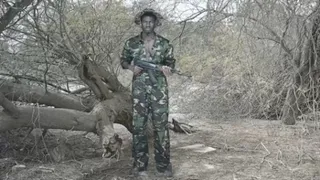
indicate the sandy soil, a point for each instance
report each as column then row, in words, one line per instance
column 237, row 149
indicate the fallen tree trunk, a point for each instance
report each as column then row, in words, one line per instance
column 30, row 94
column 114, row 106
column 100, row 120
column 116, row 110
column 48, row 118
column 8, row 106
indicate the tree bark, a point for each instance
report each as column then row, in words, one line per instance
column 100, row 120
column 9, row 106
column 115, row 100
column 102, row 82
column 116, row 110
column 48, row 118
column 29, row 94
column 12, row 13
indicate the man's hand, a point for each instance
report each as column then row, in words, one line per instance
column 166, row 70
column 135, row 69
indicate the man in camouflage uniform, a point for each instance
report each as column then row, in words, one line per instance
column 150, row 99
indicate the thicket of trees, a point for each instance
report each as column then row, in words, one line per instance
column 261, row 54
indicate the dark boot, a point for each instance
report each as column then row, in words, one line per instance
column 166, row 173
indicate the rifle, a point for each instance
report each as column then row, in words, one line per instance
column 154, row 67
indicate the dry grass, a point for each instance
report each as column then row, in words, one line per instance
column 245, row 149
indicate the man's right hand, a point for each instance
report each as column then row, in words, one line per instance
column 135, row 69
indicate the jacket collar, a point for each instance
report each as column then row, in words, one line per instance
column 141, row 39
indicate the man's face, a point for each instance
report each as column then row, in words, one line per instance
column 148, row 24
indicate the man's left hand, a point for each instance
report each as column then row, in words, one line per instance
column 166, row 70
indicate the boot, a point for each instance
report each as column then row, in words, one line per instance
column 166, row 173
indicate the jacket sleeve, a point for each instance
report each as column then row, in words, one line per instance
column 169, row 59
column 126, row 54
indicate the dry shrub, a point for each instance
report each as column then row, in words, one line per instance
column 227, row 87
column 255, row 96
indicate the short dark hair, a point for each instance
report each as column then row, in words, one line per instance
column 148, row 14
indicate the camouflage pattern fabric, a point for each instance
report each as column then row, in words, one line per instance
column 137, row 18
column 162, row 51
column 150, row 101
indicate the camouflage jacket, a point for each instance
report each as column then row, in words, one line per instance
column 162, row 51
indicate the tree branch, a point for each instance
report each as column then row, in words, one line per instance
column 51, row 118
column 30, row 78
column 9, row 106
column 25, row 93
column 277, row 37
column 12, row 12
column 88, row 74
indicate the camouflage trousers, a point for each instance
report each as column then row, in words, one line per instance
column 150, row 101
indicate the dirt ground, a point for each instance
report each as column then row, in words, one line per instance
column 236, row 149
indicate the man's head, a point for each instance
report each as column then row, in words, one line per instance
column 148, row 22
column 148, row 19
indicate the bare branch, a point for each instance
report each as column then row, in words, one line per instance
column 30, row 78
column 23, row 92
column 9, row 106
column 12, row 12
